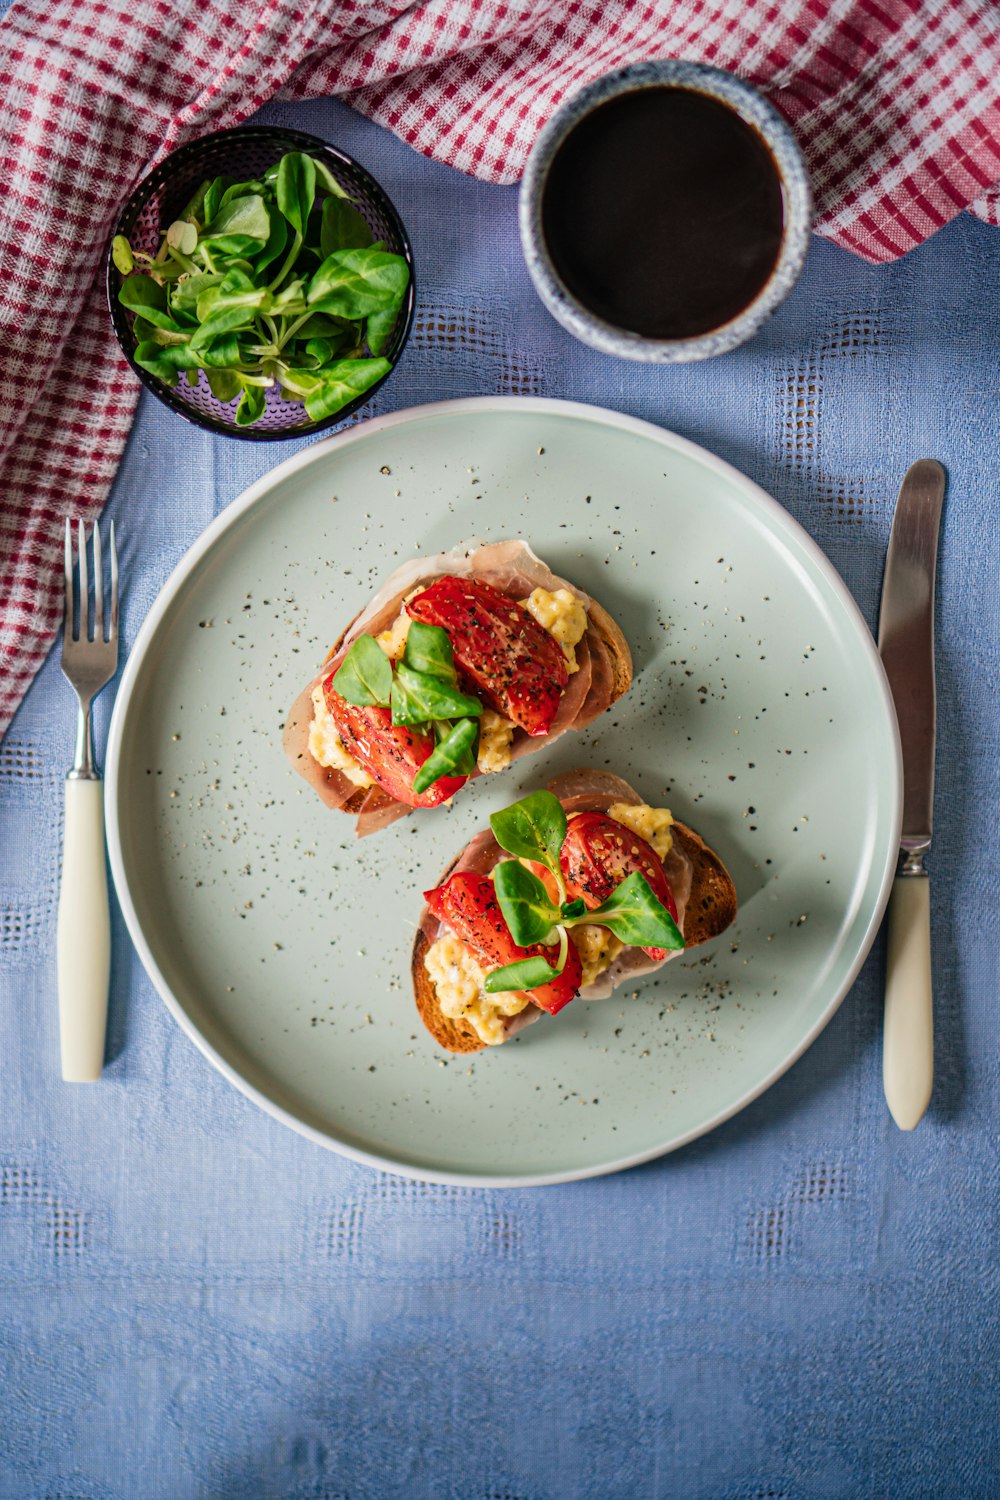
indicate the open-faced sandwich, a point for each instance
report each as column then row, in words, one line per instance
column 460, row 664
column 572, row 892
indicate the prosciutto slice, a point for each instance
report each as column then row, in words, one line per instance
column 334, row 787
column 511, row 566
column 378, row 810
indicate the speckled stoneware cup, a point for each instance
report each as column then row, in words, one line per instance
column 751, row 107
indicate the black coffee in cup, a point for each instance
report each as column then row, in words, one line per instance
column 663, row 212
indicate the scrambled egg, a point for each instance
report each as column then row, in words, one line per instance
column 393, row 640
column 326, row 746
column 563, row 615
column 495, row 736
column 458, row 981
column 650, row 823
column 597, row 947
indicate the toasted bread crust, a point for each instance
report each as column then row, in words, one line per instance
column 454, row 1036
column 711, row 908
column 712, row 903
column 599, row 621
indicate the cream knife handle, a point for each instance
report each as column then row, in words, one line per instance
column 83, row 934
column 908, row 1043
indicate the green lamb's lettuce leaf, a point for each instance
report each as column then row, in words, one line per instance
column 251, row 406
column 526, row 974
column 225, row 320
column 428, row 650
column 274, row 245
column 326, row 180
column 452, row 757
column 178, row 356
column 158, row 335
column 379, row 328
column 524, row 901
column 295, row 188
column 241, row 226
column 418, row 698
column 212, row 200
column 121, row 254
column 340, row 383
column 365, row 675
column 184, row 294
column 342, row 227
column 464, row 749
column 355, row 283
column 635, row 915
column 534, row 828
column 221, row 352
column 153, row 358
column 225, row 385
column 147, row 299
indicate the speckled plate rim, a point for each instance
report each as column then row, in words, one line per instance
column 778, row 521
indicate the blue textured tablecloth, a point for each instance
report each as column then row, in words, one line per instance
column 195, row 1301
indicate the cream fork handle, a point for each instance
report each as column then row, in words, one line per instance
column 83, row 934
column 908, row 1042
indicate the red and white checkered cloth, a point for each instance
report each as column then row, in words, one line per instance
column 896, row 104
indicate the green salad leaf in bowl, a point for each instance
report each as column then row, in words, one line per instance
column 273, row 281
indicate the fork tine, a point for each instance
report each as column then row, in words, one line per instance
column 114, row 585
column 81, row 552
column 68, row 564
column 98, row 586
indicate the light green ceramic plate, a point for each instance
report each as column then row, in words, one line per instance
column 759, row 713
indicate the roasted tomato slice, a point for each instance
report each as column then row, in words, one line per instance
column 391, row 754
column 598, row 854
column 514, row 665
column 468, row 904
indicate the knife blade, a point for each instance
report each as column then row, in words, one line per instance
column 906, row 644
column 906, row 640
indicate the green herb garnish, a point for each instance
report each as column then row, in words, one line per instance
column 365, row 675
column 263, row 283
column 428, row 649
column 454, row 756
column 423, row 693
column 524, row 901
column 527, row 973
column 419, row 698
column 535, row 829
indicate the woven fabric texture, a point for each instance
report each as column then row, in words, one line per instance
column 197, row 1304
column 896, row 103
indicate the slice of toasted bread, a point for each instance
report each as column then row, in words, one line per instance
column 710, row 909
column 599, row 624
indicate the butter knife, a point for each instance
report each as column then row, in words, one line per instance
column 906, row 644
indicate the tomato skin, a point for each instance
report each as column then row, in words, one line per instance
column 391, row 754
column 514, row 665
column 467, row 903
column 598, row 854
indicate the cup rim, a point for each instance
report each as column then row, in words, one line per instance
column 757, row 112
column 159, row 175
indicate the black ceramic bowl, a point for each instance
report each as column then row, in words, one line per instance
column 244, row 153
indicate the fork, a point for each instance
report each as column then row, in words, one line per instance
column 83, row 931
